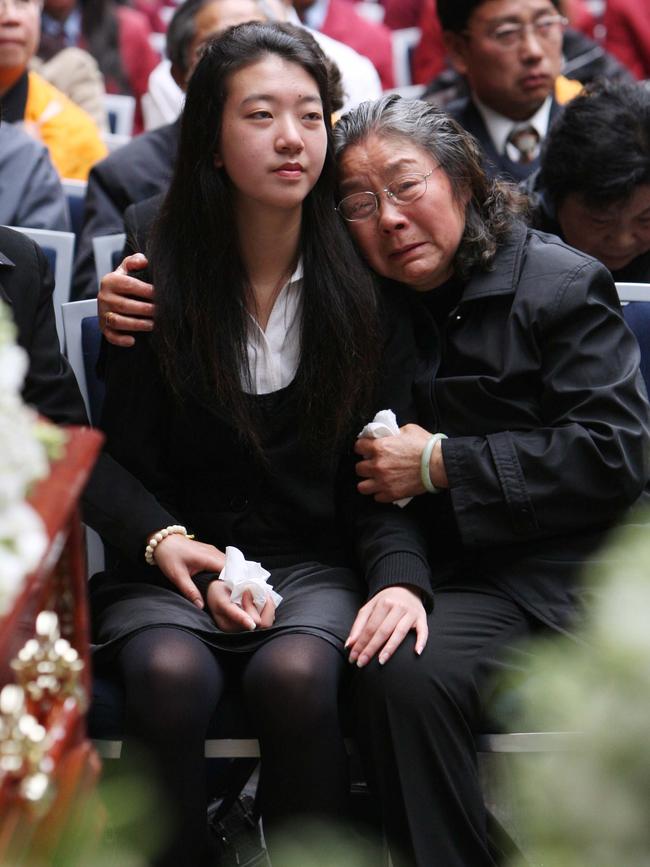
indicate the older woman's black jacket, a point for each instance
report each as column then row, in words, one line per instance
column 536, row 383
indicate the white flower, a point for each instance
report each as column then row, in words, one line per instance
column 13, row 367
column 23, row 459
column 23, row 541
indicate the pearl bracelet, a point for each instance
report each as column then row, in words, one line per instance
column 425, row 472
column 155, row 540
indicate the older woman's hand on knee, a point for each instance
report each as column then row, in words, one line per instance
column 231, row 617
column 384, row 622
column 391, row 467
column 124, row 303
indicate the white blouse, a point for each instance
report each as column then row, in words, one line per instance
column 274, row 353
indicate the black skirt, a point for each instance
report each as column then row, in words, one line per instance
column 318, row 599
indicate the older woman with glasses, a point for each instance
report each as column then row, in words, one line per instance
column 532, row 439
column 531, row 443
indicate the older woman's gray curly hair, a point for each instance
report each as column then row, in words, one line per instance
column 492, row 206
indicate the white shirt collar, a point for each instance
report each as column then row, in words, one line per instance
column 499, row 127
column 274, row 353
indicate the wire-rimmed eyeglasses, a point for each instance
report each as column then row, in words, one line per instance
column 403, row 190
column 510, row 34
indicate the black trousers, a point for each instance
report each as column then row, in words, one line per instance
column 418, row 717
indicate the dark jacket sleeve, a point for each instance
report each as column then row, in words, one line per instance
column 389, row 544
column 103, row 209
column 128, row 497
column 50, row 385
column 588, row 460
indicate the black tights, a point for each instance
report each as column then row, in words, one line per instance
column 173, row 682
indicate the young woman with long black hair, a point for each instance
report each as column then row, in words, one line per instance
column 238, row 415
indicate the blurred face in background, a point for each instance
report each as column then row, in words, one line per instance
column 20, row 30
column 615, row 234
column 217, row 16
column 59, row 9
column 510, row 53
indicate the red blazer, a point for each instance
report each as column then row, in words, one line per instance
column 344, row 23
column 138, row 57
column 627, row 33
column 429, row 56
column 402, row 13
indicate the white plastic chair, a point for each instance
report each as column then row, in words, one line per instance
column 59, row 249
column 120, row 109
column 104, row 246
column 114, row 140
column 404, row 41
column 633, row 292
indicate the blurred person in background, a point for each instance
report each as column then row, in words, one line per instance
column 510, row 53
column 399, row 14
column 115, row 35
column 31, row 194
column 71, row 136
column 623, row 29
column 593, row 186
column 583, row 59
column 76, row 73
column 339, row 20
column 359, row 78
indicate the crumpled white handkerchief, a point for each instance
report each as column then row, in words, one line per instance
column 384, row 424
column 240, row 575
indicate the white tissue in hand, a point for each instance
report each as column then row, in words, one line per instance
column 241, row 575
column 384, row 424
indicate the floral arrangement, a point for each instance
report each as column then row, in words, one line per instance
column 23, row 460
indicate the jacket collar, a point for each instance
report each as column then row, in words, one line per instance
column 501, row 280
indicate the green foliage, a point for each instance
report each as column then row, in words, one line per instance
column 591, row 805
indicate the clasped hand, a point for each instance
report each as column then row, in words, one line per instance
column 391, row 465
column 180, row 558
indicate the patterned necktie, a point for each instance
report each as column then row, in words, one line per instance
column 526, row 141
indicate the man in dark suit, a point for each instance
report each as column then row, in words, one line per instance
column 26, row 286
column 510, row 53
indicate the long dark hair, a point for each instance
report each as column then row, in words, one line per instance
column 201, row 281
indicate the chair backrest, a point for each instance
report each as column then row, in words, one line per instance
column 635, row 298
column 404, row 42
column 633, row 292
column 75, row 194
column 120, row 109
column 108, row 253
column 113, row 141
column 83, row 340
column 59, row 250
